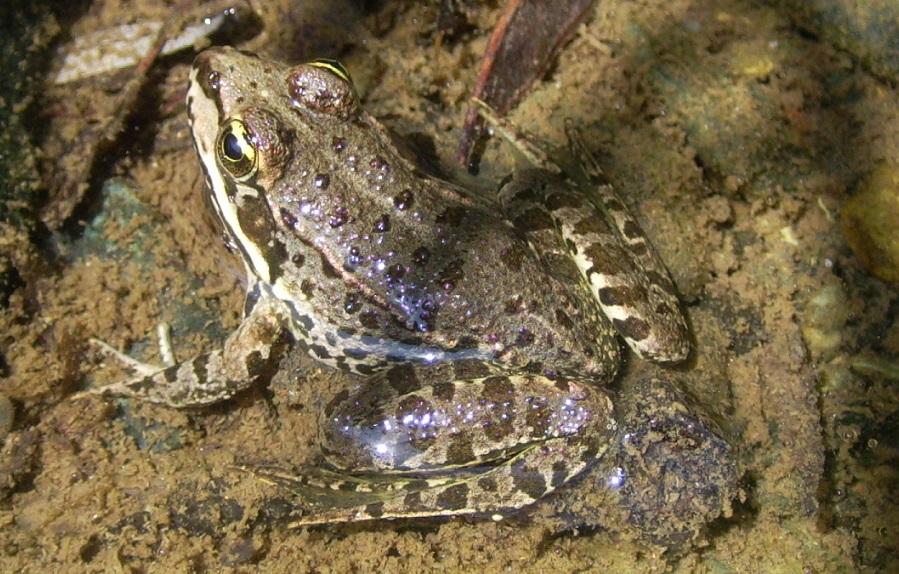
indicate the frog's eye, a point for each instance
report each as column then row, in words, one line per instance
column 324, row 88
column 237, row 150
column 332, row 66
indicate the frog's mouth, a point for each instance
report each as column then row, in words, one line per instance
column 206, row 115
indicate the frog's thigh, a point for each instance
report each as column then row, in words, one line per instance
column 462, row 423
column 214, row 376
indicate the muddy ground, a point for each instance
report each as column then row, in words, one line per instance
column 735, row 137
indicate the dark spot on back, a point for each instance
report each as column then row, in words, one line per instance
column 528, row 481
column 444, row 391
column 488, row 484
column 411, row 405
column 639, row 249
column 592, row 449
column 631, row 230
column 621, row 295
column 536, row 418
column 375, row 510
column 412, row 501
column 632, row 328
column 659, row 278
column 336, row 402
column 453, row 498
column 512, row 256
column 403, row 379
column 465, row 342
column 593, row 224
column 320, row 351
column 356, row 354
column 500, row 427
column 560, row 474
column 534, row 219
column 570, row 199
column 614, row 205
column 498, row 389
column 460, row 450
column 420, row 444
column 606, row 259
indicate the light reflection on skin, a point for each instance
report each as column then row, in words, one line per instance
column 616, row 478
column 391, row 441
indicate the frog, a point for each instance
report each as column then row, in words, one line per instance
column 480, row 330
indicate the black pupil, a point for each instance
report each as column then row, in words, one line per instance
column 232, row 148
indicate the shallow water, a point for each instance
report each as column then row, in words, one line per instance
column 735, row 137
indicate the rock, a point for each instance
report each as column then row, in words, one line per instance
column 670, row 473
column 871, row 223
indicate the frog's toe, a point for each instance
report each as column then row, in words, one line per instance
column 139, row 367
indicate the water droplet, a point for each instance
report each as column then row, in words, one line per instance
column 395, row 272
column 322, row 181
column 403, row 200
column 214, row 81
column 352, row 303
column 451, row 275
column 339, row 216
column 288, row 218
column 353, row 259
column 382, row 225
column 421, row 256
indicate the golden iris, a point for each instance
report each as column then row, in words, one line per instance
column 236, row 150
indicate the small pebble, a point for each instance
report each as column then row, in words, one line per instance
column 871, row 223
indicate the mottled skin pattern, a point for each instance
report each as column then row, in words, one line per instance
column 485, row 328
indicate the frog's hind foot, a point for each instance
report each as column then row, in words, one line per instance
column 519, row 139
column 322, row 489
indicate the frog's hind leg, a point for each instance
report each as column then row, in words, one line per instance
column 480, row 445
column 455, row 424
column 626, row 275
column 495, row 492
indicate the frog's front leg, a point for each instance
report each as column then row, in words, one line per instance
column 212, row 377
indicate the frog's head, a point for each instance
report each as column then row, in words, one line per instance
column 255, row 123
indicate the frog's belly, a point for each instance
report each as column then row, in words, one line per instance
column 362, row 354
